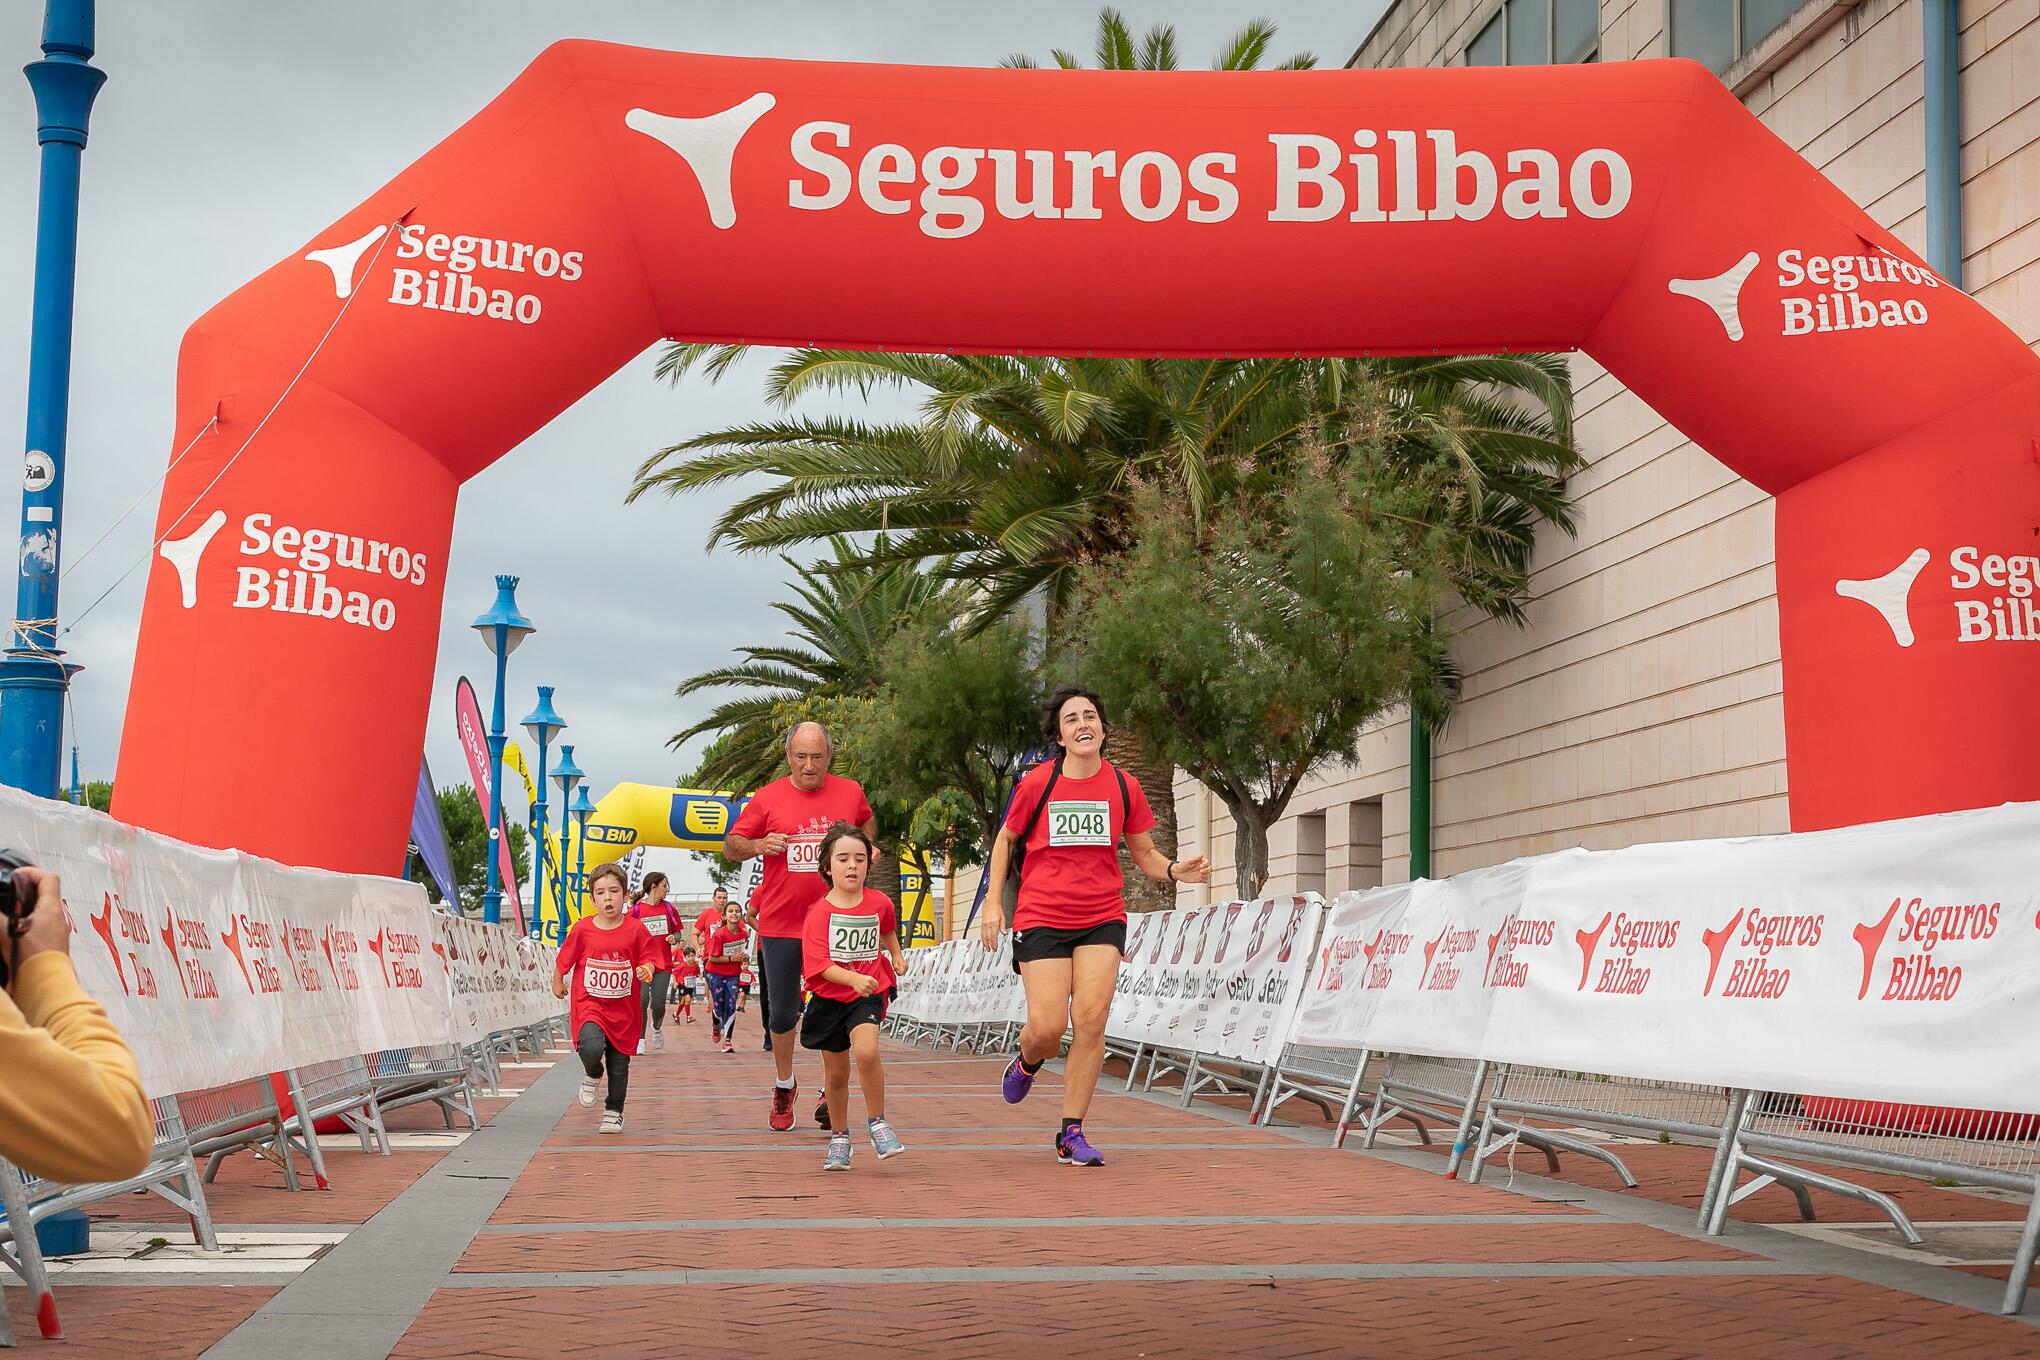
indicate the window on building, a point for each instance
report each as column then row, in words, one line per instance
column 1538, row 32
column 1717, row 33
column 1363, row 847
column 1310, row 852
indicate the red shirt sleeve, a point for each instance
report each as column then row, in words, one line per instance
column 1139, row 816
column 864, row 812
column 814, row 945
column 1025, row 795
column 570, row 949
column 751, row 821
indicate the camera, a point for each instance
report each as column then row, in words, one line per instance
column 17, row 904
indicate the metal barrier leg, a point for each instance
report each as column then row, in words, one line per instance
column 1189, row 1081
column 1133, row 1066
column 1798, row 1178
column 2022, row 1260
column 26, row 1260
column 1720, row 1172
column 1480, row 1070
column 1381, row 1109
column 1260, row 1090
column 1351, row 1101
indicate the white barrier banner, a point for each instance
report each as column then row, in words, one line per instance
column 1887, row 962
column 1433, row 987
column 217, row 966
column 1221, row 979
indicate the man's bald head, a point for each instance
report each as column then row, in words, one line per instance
column 808, row 750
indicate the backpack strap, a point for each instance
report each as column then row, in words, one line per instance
column 1034, row 820
column 1125, row 798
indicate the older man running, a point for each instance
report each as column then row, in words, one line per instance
column 785, row 822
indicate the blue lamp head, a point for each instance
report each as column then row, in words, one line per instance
column 504, row 626
column 582, row 808
column 567, row 774
column 542, row 722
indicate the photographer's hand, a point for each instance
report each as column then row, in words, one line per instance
column 47, row 928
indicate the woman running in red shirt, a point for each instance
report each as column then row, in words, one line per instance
column 609, row 957
column 1068, row 818
column 850, row 932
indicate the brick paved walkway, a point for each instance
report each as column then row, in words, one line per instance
column 699, row 1232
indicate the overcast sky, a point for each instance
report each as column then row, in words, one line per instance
column 229, row 134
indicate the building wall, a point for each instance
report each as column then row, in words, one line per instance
column 1642, row 700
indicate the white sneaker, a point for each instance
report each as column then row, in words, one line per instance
column 641, row 1048
column 589, row 1090
column 612, row 1122
column 658, row 1040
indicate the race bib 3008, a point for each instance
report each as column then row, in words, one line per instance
column 606, row 979
column 1074, row 823
column 852, row 938
column 803, row 854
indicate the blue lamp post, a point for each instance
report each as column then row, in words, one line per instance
column 543, row 724
column 568, row 776
column 33, row 675
column 582, row 810
column 502, row 628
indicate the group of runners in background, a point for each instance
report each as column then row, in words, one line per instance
column 826, row 947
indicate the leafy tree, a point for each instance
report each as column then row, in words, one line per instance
column 99, row 795
column 467, row 843
column 1116, row 49
column 1256, row 647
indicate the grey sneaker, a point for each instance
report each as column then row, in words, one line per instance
column 612, row 1122
column 590, row 1088
column 884, row 1141
column 839, row 1153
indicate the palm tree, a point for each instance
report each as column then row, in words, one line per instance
column 1117, row 51
column 837, row 629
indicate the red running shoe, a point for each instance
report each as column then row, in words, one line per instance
column 782, row 1107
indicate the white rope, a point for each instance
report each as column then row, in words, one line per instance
column 210, row 425
column 289, row 387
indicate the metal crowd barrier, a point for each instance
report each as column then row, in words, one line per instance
column 170, row 1172
column 1201, row 1076
column 343, row 1090
column 242, row 1114
column 1968, row 1147
column 439, row 1073
column 25, row 1260
column 1339, row 1081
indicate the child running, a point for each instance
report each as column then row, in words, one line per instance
column 662, row 921
column 850, row 959
column 686, row 978
column 610, row 957
column 725, row 961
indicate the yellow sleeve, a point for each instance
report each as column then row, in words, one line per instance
column 71, row 1107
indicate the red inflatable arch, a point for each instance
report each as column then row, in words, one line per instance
column 613, row 196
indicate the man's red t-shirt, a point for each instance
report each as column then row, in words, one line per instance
column 790, row 882
column 601, row 966
column 849, row 938
column 662, row 922
column 706, row 923
column 1070, row 879
column 716, row 939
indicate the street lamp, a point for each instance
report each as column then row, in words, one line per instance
column 568, row 776
column 582, row 810
column 502, row 628
column 543, row 724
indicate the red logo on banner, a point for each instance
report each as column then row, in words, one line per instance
column 1870, row 939
column 1915, row 973
column 103, row 924
column 1717, row 941
column 1590, row 940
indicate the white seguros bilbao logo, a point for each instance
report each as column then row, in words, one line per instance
column 485, row 276
column 1998, row 604
column 1820, row 294
column 316, row 573
column 956, row 190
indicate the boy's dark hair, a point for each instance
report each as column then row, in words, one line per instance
column 609, row 870
column 842, row 831
column 1052, row 707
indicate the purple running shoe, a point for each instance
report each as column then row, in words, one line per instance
column 1017, row 1082
column 1073, row 1149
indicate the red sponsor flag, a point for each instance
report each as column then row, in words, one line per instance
column 474, row 739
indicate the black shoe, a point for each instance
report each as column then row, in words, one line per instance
column 822, row 1112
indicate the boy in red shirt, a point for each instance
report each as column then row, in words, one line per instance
column 724, row 959
column 845, row 944
column 610, row 957
column 684, row 974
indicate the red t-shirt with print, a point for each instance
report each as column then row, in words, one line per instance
column 706, row 923
column 790, row 881
column 849, row 937
column 1070, row 879
column 601, row 967
column 685, row 972
column 662, row 922
column 716, row 939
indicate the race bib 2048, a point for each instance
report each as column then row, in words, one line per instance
column 606, row 979
column 852, row 939
column 1075, row 822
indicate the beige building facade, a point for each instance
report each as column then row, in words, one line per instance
column 1641, row 702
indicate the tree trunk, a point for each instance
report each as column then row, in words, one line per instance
column 1158, row 781
column 885, row 873
column 1250, row 848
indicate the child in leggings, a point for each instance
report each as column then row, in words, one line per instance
column 726, row 952
column 609, row 956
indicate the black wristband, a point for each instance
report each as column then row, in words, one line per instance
column 1172, row 871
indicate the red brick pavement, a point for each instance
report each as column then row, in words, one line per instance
column 139, row 1323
